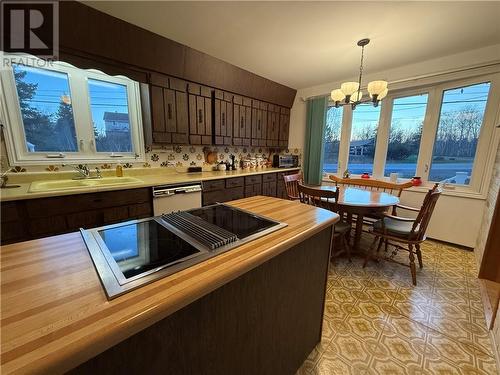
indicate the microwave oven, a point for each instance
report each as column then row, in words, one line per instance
column 285, row 161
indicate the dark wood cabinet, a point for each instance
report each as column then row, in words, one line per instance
column 284, row 126
column 223, row 118
column 253, row 185
column 188, row 113
column 259, row 123
column 169, row 110
column 200, row 114
column 225, row 190
column 269, row 187
column 242, row 121
column 35, row 218
column 273, row 126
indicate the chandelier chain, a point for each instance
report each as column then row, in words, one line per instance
column 361, row 70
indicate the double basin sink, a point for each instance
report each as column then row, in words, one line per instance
column 39, row 186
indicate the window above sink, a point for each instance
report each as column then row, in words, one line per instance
column 53, row 110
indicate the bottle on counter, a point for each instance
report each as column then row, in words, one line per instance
column 119, row 170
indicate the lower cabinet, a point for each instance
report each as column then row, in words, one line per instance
column 229, row 189
column 42, row 217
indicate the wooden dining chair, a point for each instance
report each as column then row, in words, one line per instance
column 401, row 231
column 291, row 185
column 373, row 184
column 328, row 199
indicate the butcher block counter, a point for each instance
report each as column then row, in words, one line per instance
column 55, row 315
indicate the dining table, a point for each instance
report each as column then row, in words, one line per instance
column 359, row 203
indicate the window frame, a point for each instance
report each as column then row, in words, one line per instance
column 15, row 138
column 488, row 138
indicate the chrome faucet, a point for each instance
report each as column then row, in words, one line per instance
column 82, row 170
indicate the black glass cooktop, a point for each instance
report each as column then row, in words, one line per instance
column 243, row 224
column 143, row 246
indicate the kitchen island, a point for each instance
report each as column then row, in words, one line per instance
column 255, row 309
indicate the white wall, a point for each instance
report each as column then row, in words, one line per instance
column 456, row 219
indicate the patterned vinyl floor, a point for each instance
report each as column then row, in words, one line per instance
column 376, row 322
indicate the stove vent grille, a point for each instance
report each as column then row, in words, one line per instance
column 202, row 231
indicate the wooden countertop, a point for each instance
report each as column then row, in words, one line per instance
column 54, row 312
column 148, row 177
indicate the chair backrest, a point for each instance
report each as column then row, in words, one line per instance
column 319, row 198
column 393, row 188
column 291, row 185
column 424, row 216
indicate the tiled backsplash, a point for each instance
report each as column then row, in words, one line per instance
column 179, row 156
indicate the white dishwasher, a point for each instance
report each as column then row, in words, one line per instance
column 180, row 197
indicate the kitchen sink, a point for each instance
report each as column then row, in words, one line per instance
column 38, row 186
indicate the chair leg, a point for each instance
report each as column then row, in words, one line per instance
column 386, row 247
column 419, row 255
column 346, row 245
column 380, row 245
column 413, row 268
column 368, row 253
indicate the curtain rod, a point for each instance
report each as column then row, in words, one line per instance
column 422, row 76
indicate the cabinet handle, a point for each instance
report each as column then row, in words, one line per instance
column 200, row 116
column 241, row 122
column 169, row 111
column 258, row 125
column 223, row 119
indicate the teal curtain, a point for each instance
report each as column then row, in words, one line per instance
column 314, row 144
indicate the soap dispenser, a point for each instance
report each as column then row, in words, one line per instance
column 119, row 170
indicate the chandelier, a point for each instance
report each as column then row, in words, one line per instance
column 350, row 92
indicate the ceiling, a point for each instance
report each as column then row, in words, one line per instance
column 301, row 44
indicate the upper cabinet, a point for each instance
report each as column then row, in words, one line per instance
column 242, row 121
column 284, row 126
column 223, row 118
column 169, row 110
column 200, row 114
column 188, row 113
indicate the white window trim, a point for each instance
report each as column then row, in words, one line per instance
column 489, row 138
column 77, row 80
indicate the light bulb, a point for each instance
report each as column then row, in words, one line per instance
column 337, row 95
column 377, row 87
column 349, row 88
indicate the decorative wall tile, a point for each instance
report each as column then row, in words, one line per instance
column 52, row 168
column 177, row 155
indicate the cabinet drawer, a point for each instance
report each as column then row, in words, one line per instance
column 212, row 197
column 47, row 226
column 256, row 179
column 269, row 177
column 213, row 185
column 10, row 212
column 137, row 211
column 235, row 182
column 236, row 193
column 45, row 207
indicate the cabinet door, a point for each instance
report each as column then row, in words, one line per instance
column 158, row 116
column 223, row 118
column 182, row 115
column 200, row 114
column 255, row 133
column 238, row 125
column 248, row 126
column 169, row 108
column 284, row 126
